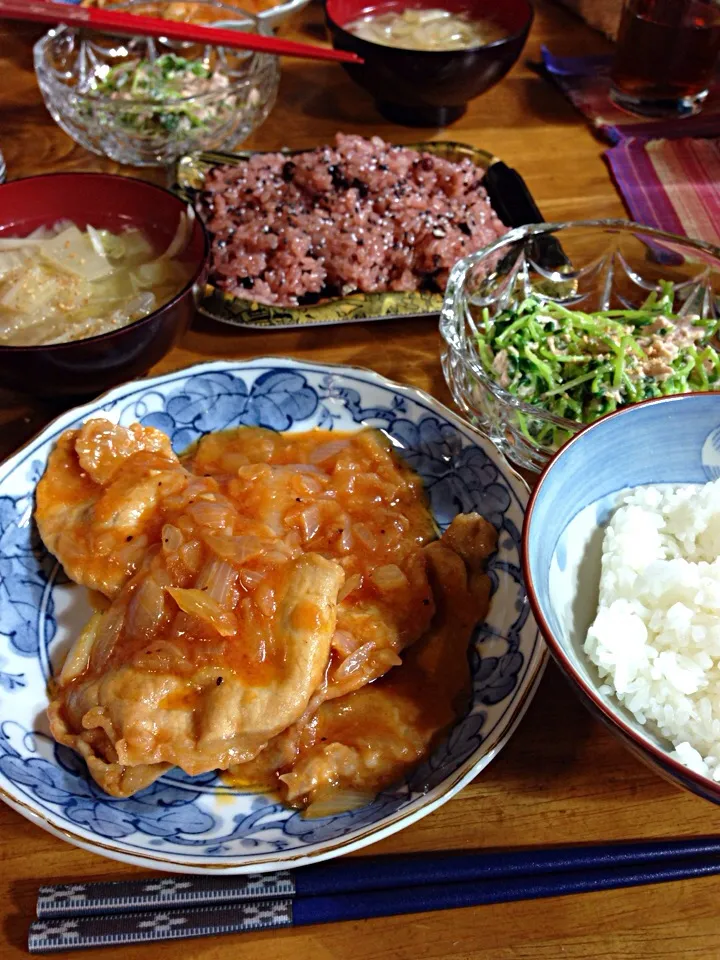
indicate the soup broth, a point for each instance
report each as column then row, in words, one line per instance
column 433, row 29
column 62, row 283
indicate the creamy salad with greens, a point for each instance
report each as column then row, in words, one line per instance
column 172, row 94
column 581, row 365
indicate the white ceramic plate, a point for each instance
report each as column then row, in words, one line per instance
column 196, row 825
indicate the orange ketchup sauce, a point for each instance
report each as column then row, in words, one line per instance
column 253, row 501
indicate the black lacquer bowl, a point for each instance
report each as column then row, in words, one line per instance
column 423, row 88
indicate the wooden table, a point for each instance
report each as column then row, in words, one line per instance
column 563, row 778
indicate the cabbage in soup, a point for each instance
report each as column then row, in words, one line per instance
column 62, row 283
column 433, row 30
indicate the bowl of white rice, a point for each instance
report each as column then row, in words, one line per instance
column 622, row 563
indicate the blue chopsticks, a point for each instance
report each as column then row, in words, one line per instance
column 138, row 911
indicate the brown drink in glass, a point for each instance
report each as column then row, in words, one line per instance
column 665, row 56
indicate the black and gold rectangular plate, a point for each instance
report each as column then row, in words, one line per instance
column 506, row 190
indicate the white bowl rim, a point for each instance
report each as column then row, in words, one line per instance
column 661, row 757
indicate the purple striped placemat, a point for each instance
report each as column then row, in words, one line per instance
column 667, row 171
column 671, row 184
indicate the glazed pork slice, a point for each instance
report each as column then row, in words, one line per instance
column 361, row 742
column 134, row 710
column 350, row 498
column 371, row 738
column 194, row 661
column 98, row 504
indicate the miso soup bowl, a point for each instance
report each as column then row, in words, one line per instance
column 422, row 88
column 669, row 440
column 85, row 367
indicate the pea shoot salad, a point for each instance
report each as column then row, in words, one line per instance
column 582, row 365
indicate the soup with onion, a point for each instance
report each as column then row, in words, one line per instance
column 62, row 283
column 428, row 29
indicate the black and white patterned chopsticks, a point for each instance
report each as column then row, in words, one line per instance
column 159, row 893
column 115, row 929
column 171, row 908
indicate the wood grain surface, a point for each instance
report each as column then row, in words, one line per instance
column 563, row 778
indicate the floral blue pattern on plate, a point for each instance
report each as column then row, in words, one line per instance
column 197, row 824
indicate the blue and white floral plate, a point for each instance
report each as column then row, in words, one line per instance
column 196, row 824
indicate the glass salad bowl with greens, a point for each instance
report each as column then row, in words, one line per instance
column 146, row 102
column 555, row 325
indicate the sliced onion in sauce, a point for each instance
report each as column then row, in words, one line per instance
column 389, row 577
column 232, row 462
column 235, row 549
column 328, row 451
column 275, row 558
column 191, row 555
column 217, row 516
column 354, row 662
column 217, row 580
column 185, row 524
column 365, row 535
column 129, row 554
column 162, row 656
column 352, row 584
column 310, row 522
column 162, row 576
column 264, row 597
column 339, row 801
column 384, row 659
column 345, row 540
column 198, row 604
column 302, row 468
column 292, row 542
column 251, row 578
column 146, row 610
column 107, row 636
column 172, row 538
column 78, row 658
column 344, row 642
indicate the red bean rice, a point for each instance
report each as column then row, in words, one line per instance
column 357, row 216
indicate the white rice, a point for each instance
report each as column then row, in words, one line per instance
column 656, row 636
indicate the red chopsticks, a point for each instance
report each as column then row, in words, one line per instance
column 114, row 21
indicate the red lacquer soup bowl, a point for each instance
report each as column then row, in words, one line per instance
column 83, row 367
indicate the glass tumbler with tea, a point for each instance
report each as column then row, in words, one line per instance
column 665, row 56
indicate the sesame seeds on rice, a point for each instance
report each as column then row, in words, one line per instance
column 357, row 216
